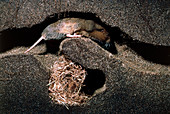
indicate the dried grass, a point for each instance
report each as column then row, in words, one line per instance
column 65, row 83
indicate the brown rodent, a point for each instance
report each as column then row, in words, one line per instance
column 73, row 28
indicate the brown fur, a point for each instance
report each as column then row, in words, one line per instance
column 87, row 28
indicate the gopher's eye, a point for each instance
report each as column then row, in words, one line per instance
column 100, row 30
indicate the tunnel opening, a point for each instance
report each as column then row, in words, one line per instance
column 153, row 53
column 94, row 80
column 158, row 54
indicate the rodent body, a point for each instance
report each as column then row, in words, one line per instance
column 87, row 28
column 74, row 28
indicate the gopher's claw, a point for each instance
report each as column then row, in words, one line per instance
column 73, row 36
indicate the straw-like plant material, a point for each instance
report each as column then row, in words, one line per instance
column 65, row 83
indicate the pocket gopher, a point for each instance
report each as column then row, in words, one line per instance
column 74, row 28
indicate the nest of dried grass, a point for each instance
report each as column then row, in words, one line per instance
column 66, row 82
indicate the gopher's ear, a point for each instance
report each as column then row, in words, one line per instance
column 89, row 25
